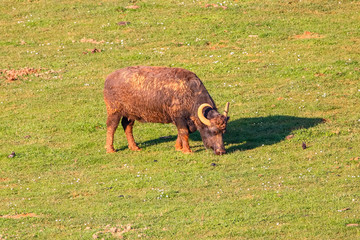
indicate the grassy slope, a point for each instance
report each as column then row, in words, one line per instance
column 278, row 84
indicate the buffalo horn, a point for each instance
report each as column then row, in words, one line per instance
column 226, row 111
column 201, row 116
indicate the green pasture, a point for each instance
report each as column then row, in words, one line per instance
column 290, row 70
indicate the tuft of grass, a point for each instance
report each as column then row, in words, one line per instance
column 290, row 70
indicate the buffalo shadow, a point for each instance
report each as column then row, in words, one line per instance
column 249, row 133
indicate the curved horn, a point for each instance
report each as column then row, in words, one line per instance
column 201, row 116
column 226, row 111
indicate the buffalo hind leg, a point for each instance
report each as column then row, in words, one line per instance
column 182, row 141
column 112, row 123
column 128, row 128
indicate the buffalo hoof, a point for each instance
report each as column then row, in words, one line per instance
column 110, row 151
column 186, row 151
column 134, row 148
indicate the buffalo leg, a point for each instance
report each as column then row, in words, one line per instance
column 178, row 144
column 182, row 141
column 112, row 123
column 128, row 128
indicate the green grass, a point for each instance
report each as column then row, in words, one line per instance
column 254, row 54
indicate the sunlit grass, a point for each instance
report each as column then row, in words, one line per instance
column 290, row 70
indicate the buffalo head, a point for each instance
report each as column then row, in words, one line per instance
column 213, row 127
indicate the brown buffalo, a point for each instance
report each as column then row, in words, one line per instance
column 163, row 95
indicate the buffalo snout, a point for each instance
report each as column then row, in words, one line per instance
column 219, row 151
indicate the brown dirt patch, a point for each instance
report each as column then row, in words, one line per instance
column 116, row 232
column 16, row 74
column 90, row 40
column 132, row 7
column 217, row 46
column 308, row 35
column 18, row 216
column 95, row 50
column 13, row 74
column 214, row 6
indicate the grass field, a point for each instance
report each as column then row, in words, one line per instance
column 290, row 69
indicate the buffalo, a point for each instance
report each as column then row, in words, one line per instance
column 163, row 95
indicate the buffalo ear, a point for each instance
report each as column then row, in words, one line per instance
column 191, row 126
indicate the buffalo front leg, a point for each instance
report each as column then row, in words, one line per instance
column 178, row 144
column 112, row 123
column 128, row 129
column 182, row 141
